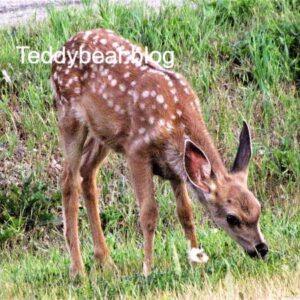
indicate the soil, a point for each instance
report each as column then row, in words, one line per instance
column 17, row 12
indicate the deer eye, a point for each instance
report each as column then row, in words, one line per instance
column 233, row 220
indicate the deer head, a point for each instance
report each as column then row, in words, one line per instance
column 231, row 204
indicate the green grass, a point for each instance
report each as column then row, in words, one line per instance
column 242, row 58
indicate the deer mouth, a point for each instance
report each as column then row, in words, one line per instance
column 261, row 250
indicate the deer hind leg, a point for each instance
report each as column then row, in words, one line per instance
column 94, row 154
column 142, row 182
column 73, row 135
column 185, row 215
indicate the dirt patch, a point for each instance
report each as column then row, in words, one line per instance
column 15, row 12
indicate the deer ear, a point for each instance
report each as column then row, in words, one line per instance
column 244, row 152
column 197, row 166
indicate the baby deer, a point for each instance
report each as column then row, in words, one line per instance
column 151, row 115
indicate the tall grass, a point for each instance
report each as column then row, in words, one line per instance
column 242, row 58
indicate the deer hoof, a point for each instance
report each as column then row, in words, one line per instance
column 146, row 270
column 108, row 265
column 198, row 256
column 77, row 271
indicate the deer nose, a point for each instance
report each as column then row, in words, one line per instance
column 262, row 249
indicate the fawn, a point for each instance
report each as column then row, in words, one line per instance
column 151, row 115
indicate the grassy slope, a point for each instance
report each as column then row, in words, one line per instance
column 242, row 59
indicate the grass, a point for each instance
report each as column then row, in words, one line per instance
column 242, row 59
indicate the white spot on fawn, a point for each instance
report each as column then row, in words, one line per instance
column 153, row 93
column 147, row 138
column 126, row 75
column 130, row 92
column 135, row 96
column 169, row 126
column 93, row 87
column 160, row 99
column 142, row 130
column 151, row 120
column 162, row 122
column 122, row 87
column 145, row 94
column 94, row 67
column 77, row 90
column 170, row 83
column 120, row 49
column 104, row 72
column 85, row 75
column 178, row 112
column 87, row 34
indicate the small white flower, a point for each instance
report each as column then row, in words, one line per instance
column 6, row 76
column 197, row 255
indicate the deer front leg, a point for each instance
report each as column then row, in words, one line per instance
column 185, row 215
column 141, row 177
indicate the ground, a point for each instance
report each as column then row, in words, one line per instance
column 242, row 59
